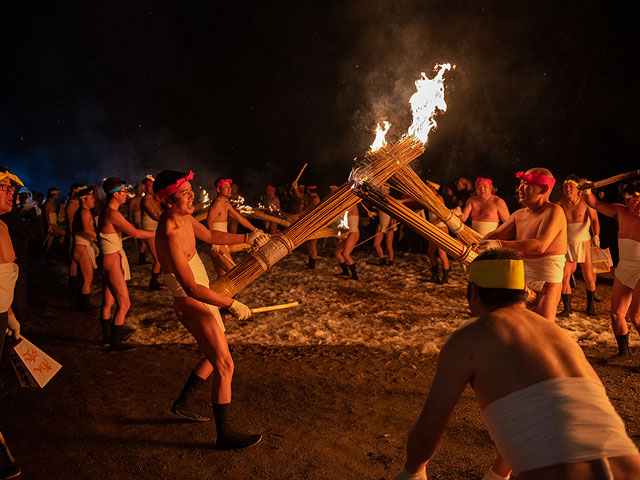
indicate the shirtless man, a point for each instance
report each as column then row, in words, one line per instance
column 538, row 231
column 347, row 243
column 135, row 217
column 219, row 214
column 70, row 209
column 487, row 210
column 8, row 276
column 384, row 231
column 544, row 405
column 55, row 232
column 85, row 245
column 434, row 252
column 580, row 219
column 272, row 202
column 311, row 199
column 625, row 294
column 114, row 262
column 150, row 210
column 196, row 306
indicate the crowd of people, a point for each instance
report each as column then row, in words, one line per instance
column 528, row 257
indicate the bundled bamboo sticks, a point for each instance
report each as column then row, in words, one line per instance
column 376, row 168
column 424, row 228
column 257, row 215
column 408, row 182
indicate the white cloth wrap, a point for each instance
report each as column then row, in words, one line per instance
column 560, row 420
column 383, row 221
column 149, row 223
column 8, row 277
column 220, row 226
column 82, row 238
column 201, row 277
column 628, row 269
column 112, row 243
column 538, row 271
column 577, row 237
column 53, row 218
column 137, row 218
column 353, row 221
column 483, row 227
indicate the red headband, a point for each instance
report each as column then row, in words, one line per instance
column 481, row 179
column 223, row 181
column 163, row 193
column 537, row 179
column 312, row 187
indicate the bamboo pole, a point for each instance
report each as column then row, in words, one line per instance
column 295, row 182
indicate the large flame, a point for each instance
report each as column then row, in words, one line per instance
column 381, row 133
column 427, row 102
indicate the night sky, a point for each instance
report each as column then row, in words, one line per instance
column 252, row 92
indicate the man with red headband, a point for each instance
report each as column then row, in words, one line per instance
column 487, row 210
column 625, row 295
column 150, row 212
column 219, row 214
column 538, row 231
column 581, row 219
column 196, row 306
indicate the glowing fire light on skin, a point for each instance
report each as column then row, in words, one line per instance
column 381, row 133
column 427, row 102
column 343, row 226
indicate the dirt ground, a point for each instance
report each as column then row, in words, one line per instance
column 326, row 412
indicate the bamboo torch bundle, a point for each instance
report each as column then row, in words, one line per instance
column 376, row 168
column 424, row 228
column 257, row 215
column 408, row 182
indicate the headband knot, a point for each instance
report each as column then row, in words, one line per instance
column 222, row 181
column 536, row 179
column 163, row 193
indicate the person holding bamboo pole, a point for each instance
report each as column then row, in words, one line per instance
column 538, row 231
column 486, row 210
column 196, row 305
column 347, row 243
column 220, row 212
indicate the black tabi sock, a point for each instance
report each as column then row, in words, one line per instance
column 623, row 344
column 591, row 310
column 345, row 270
column 354, row 275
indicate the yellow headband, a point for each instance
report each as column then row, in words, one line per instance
column 11, row 177
column 629, row 195
column 571, row 181
column 501, row 273
column 433, row 184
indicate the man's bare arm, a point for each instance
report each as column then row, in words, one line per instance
column 235, row 215
column 595, row 221
column 123, row 225
column 503, row 210
column 466, row 211
column 153, row 209
column 215, row 237
column 452, row 375
column 608, row 209
column 87, row 224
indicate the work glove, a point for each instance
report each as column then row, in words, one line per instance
column 257, row 238
column 489, row 245
column 404, row 475
column 239, row 310
column 595, row 240
column 14, row 326
column 215, row 249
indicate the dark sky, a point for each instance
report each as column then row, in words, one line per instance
column 253, row 92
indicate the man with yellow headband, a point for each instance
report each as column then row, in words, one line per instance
column 486, row 210
column 581, row 219
column 625, row 295
column 538, row 232
column 544, row 405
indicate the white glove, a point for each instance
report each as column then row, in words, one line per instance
column 595, row 240
column 215, row 249
column 404, row 475
column 14, row 326
column 257, row 238
column 489, row 245
column 239, row 310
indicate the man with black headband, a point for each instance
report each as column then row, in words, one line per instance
column 220, row 212
column 545, row 408
column 581, row 219
column 625, row 295
column 538, row 231
column 196, row 306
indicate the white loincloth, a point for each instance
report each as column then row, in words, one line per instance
column 8, row 277
column 137, row 218
column 560, row 420
column 353, row 221
column 201, row 277
column 483, row 227
column 92, row 247
column 538, row 271
column 577, row 238
column 112, row 243
column 220, row 226
column 628, row 269
column 149, row 223
column 383, row 222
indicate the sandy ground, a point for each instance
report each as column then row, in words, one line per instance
column 333, row 384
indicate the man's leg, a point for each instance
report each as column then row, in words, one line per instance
column 589, row 280
column 186, row 405
column 548, row 300
column 621, row 297
column 569, row 268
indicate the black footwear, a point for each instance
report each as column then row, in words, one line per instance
column 572, row 281
column 445, row 277
column 155, row 284
column 566, row 301
column 105, row 326
column 10, row 471
column 623, row 346
column 345, row 270
column 229, row 439
column 390, row 263
column 312, row 264
column 85, row 303
column 591, row 308
column 434, row 275
column 142, row 258
column 185, row 404
column 354, row 275
column 116, row 344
